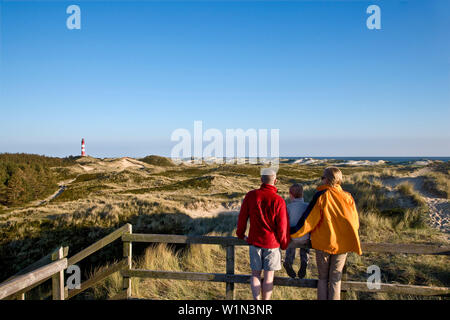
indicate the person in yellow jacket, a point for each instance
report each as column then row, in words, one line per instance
column 332, row 220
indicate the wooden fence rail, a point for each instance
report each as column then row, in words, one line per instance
column 45, row 269
column 230, row 278
column 113, row 236
column 99, row 244
column 39, row 272
column 431, row 249
column 40, row 263
column 24, row 281
column 283, row 281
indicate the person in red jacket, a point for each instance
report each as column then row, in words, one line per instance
column 269, row 231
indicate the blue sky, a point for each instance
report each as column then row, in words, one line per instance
column 136, row 71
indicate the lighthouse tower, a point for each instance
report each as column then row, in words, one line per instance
column 83, row 150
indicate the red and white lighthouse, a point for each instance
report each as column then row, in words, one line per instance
column 83, row 150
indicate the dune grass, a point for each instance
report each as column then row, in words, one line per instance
column 158, row 161
column 437, row 183
column 195, row 258
column 406, row 269
column 407, row 190
column 158, row 201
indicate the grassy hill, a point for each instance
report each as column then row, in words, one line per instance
column 27, row 177
column 200, row 199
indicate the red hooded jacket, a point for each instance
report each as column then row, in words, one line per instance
column 269, row 222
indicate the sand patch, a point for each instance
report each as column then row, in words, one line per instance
column 210, row 213
column 108, row 165
column 439, row 208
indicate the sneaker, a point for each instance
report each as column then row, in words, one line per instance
column 302, row 271
column 289, row 270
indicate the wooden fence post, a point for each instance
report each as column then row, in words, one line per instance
column 127, row 253
column 58, row 278
column 230, row 270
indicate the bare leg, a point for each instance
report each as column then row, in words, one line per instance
column 267, row 285
column 255, row 284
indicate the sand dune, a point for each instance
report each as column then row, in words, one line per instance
column 439, row 208
column 201, row 194
column 117, row 165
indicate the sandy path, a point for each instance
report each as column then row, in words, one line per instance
column 40, row 202
column 439, row 208
column 62, row 186
column 439, row 213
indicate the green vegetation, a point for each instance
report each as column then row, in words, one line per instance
column 158, row 161
column 75, row 193
column 185, row 172
column 90, row 177
column 407, row 269
column 27, row 177
column 402, row 206
column 164, row 198
column 204, row 182
column 407, row 190
column 240, row 169
column 437, row 183
column 110, row 177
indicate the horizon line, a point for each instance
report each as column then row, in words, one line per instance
column 246, row 157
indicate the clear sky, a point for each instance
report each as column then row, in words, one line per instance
column 138, row 70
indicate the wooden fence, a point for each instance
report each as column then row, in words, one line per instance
column 53, row 266
column 38, row 272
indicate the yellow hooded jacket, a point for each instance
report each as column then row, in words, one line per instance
column 332, row 220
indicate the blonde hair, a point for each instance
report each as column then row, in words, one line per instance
column 333, row 175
